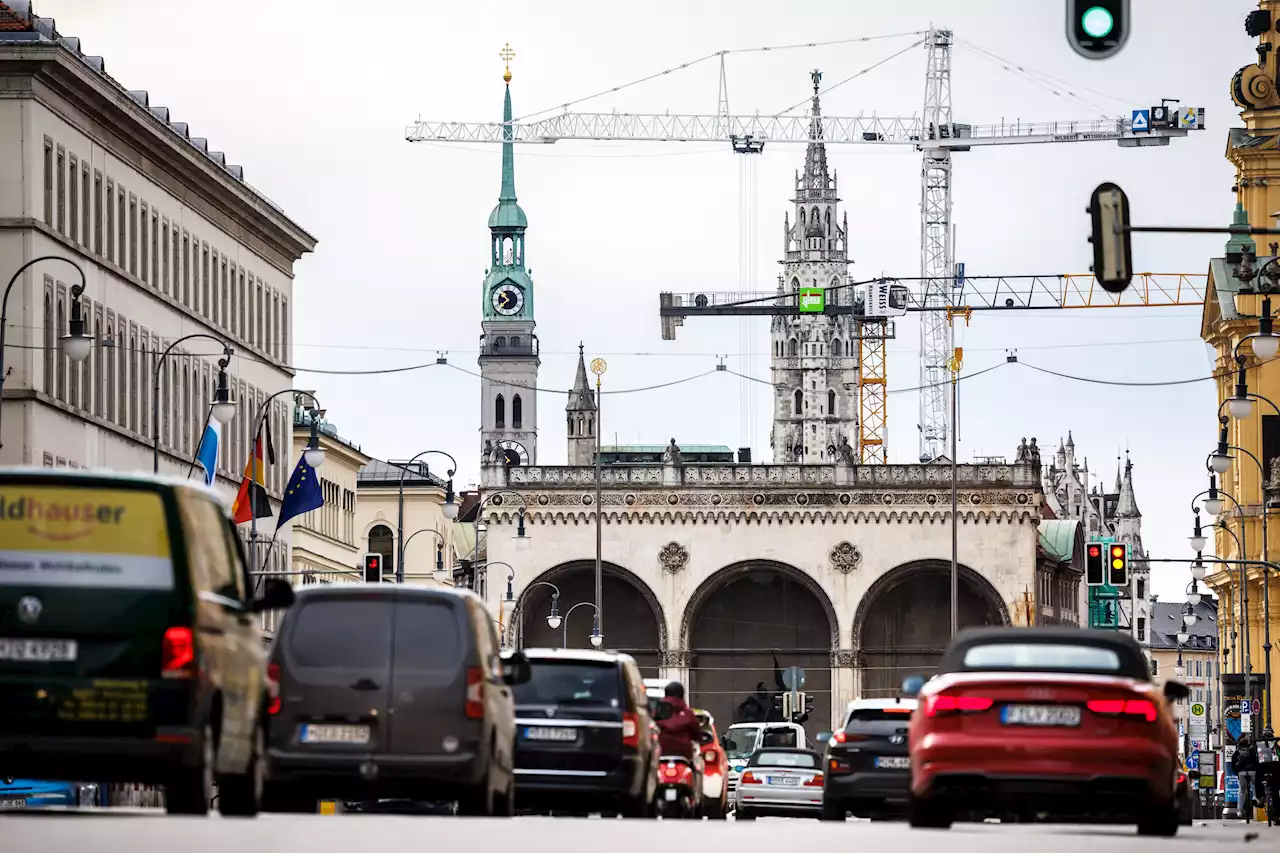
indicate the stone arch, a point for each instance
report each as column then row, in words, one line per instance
column 747, row 622
column 625, row 626
column 903, row 622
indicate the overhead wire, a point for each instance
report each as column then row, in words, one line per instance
column 979, row 49
column 851, row 77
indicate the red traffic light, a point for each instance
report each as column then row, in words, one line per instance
column 1095, row 551
column 372, row 562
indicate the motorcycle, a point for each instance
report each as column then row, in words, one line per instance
column 678, row 793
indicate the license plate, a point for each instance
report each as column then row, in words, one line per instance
column 561, row 734
column 13, row 802
column 893, row 762
column 315, row 733
column 1041, row 715
column 670, row 795
column 39, row 651
column 784, row 780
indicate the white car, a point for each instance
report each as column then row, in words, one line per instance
column 742, row 740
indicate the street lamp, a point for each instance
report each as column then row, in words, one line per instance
column 222, row 408
column 1198, row 569
column 598, row 367
column 258, row 421
column 1265, row 343
column 553, row 618
column 439, row 547
column 1193, row 593
column 1213, row 503
column 314, row 454
column 1220, row 459
column 597, row 639
column 1188, row 618
column 1197, row 537
column 76, row 345
column 445, row 509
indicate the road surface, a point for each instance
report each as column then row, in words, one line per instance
column 138, row 831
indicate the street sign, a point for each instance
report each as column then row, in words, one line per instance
column 1141, row 121
column 1199, row 723
column 1187, row 118
column 793, row 678
column 1193, row 760
column 813, row 300
column 1257, row 707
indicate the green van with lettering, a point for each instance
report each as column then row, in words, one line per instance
column 130, row 646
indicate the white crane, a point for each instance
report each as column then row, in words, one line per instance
column 934, row 134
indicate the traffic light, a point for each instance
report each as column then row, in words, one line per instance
column 1097, row 29
column 1095, row 571
column 1118, row 565
column 806, row 702
column 373, row 568
column 1112, row 246
column 785, row 706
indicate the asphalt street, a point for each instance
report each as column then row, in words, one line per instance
column 136, row 832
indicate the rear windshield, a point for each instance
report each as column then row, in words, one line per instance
column 780, row 737
column 879, row 715
column 1039, row 657
column 342, row 633
column 740, row 743
column 78, row 536
column 786, row 759
column 428, row 637
column 554, row 682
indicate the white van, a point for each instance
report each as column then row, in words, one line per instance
column 741, row 740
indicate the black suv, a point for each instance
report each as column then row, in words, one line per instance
column 585, row 741
column 867, row 764
column 391, row 692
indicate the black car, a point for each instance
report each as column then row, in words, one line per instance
column 391, row 692
column 130, row 643
column 868, row 768
column 585, row 740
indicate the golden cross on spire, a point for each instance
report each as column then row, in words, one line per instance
column 506, row 55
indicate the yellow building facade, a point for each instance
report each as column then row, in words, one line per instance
column 1238, row 284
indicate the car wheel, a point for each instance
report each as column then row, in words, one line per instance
column 241, row 796
column 1160, row 820
column 191, row 790
column 928, row 814
column 478, row 802
column 276, row 798
column 832, row 809
column 743, row 814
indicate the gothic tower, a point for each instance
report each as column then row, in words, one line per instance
column 814, row 357
column 580, row 412
column 508, row 346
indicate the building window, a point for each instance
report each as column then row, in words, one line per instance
column 123, row 228
column 831, row 403
column 109, row 374
column 155, row 250
column 142, row 239
column 62, row 192
column 111, row 222
column 48, row 182
column 122, row 384
column 97, row 212
column 133, row 382
column 50, row 346
column 186, row 270
column 133, row 235
column 500, row 412
column 224, row 297
column 1270, row 439
column 517, row 412
column 797, row 403
column 382, row 541
column 284, row 330
column 1142, row 629
column 86, row 201
column 1142, row 589
column 73, row 226
column 204, row 282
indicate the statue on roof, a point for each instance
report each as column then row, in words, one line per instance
column 672, row 456
column 487, row 457
column 846, row 451
column 1033, row 453
column 1023, row 455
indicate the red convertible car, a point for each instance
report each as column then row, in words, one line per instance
column 1034, row 723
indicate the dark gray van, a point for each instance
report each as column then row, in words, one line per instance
column 130, row 647
column 391, row 692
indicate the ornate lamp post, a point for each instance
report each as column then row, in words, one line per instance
column 450, row 508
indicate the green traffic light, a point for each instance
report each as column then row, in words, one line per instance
column 1097, row 22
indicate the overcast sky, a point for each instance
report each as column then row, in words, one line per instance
column 313, row 97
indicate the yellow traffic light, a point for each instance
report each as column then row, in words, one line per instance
column 1119, row 574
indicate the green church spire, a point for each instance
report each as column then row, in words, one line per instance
column 1240, row 240
column 507, row 214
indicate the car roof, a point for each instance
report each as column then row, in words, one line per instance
column 895, row 702
column 1133, row 664
column 390, row 590
column 591, row 655
column 102, row 477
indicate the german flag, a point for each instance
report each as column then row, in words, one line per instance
column 251, row 500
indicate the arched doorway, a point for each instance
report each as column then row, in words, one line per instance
column 903, row 623
column 633, row 621
column 746, row 624
column 382, row 541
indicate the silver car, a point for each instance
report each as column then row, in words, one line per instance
column 783, row 782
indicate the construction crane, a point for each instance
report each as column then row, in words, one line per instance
column 876, row 301
column 934, row 134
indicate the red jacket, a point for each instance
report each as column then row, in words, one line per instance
column 679, row 733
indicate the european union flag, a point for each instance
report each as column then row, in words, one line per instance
column 303, row 493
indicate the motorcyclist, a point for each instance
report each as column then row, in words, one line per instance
column 680, row 733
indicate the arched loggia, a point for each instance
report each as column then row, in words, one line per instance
column 633, row 619
column 747, row 623
column 903, row 622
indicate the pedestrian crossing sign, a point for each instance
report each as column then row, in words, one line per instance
column 1141, row 121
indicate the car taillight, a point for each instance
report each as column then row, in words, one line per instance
column 748, row 778
column 178, row 653
column 1182, row 777
column 1144, row 708
column 475, row 693
column 815, row 782
column 935, row 706
column 839, row 737
column 630, row 730
column 837, row 765
column 273, row 689
column 845, row 737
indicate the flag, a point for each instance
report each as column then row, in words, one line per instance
column 208, row 453
column 251, row 500
column 303, row 493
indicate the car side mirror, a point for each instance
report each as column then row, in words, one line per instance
column 706, row 739
column 823, row 737
column 1176, row 691
column 277, row 594
column 912, row 685
column 663, row 711
column 516, row 669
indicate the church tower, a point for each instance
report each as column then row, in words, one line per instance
column 814, row 357
column 580, row 412
column 508, row 346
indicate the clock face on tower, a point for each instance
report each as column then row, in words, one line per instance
column 513, row 453
column 508, row 300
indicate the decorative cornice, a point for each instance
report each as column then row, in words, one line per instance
column 1006, row 511
column 857, row 477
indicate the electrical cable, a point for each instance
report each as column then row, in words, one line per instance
column 854, row 76
column 982, row 50
column 1065, row 95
